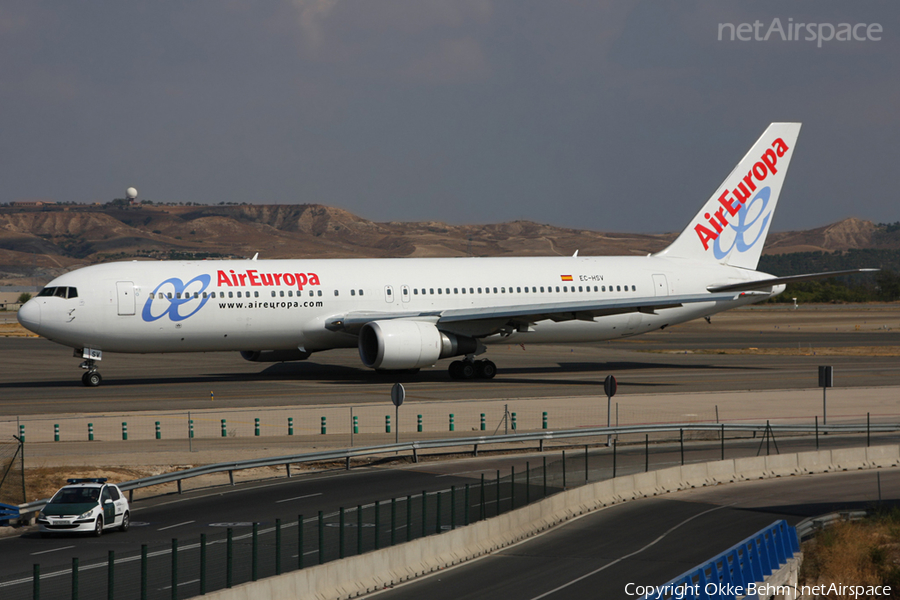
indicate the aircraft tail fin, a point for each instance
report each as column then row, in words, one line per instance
column 731, row 227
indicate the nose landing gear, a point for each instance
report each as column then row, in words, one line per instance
column 92, row 377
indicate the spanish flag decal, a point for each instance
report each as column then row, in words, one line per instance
column 566, row 277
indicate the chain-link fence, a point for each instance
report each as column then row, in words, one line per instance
column 12, row 471
column 372, row 423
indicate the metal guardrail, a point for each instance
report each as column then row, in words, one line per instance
column 349, row 453
column 7, row 512
column 736, row 571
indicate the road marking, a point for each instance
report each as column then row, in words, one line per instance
column 621, row 558
column 174, row 526
column 298, row 498
column 54, row 550
column 169, row 587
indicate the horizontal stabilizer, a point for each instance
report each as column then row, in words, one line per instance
column 765, row 283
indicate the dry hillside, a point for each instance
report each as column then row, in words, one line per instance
column 39, row 243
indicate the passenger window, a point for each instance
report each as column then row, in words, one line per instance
column 204, row 294
column 360, row 292
column 471, row 290
column 231, row 294
column 273, row 293
column 256, row 294
column 320, row 293
column 464, row 290
column 557, row 289
column 455, row 290
column 311, row 293
column 633, row 288
column 479, row 290
column 389, row 291
column 439, row 290
column 495, row 290
column 336, row 293
column 603, row 288
column 519, row 290
column 618, row 288
column 503, row 290
column 448, row 290
column 542, row 289
column 432, row 291
column 415, row 291
column 352, row 292
column 290, row 293
column 281, row 293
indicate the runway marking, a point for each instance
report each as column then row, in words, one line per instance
column 174, row 526
column 49, row 551
column 620, row 559
column 298, row 498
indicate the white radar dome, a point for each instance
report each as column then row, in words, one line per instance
column 131, row 193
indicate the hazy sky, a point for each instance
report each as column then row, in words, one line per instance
column 611, row 115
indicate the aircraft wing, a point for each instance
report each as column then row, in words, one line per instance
column 765, row 283
column 583, row 310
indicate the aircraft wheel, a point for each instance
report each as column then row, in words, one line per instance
column 454, row 369
column 486, row 369
column 91, row 379
column 466, row 370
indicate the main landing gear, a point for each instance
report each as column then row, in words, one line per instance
column 472, row 369
column 92, row 377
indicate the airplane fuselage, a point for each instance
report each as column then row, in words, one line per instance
column 204, row 306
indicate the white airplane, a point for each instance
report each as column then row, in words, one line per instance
column 404, row 314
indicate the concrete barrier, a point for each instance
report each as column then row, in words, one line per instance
column 376, row 570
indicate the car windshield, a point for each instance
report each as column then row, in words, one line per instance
column 76, row 496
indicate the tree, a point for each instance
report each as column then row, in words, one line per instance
column 24, row 297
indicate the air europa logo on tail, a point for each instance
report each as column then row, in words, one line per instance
column 735, row 202
column 254, row 278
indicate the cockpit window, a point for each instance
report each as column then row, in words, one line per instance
column 59, row 292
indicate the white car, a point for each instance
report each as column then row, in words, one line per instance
column 85, row 505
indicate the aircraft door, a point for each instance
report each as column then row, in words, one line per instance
column 125, row 291
column 388, row 293
column 660, row 285
column 404, row 293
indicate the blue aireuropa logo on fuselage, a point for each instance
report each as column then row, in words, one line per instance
column 756, row 224
column 175, row 298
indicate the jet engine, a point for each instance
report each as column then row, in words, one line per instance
column 400, row 344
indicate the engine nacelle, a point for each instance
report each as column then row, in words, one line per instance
column 399, row 344
column 274, row 355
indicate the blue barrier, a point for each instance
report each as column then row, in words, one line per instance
column 8, row 512
column 731, row 573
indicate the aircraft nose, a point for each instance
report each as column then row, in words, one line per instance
column 29, row 315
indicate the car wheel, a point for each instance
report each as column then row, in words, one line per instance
column 98, row 527
column 126, row 522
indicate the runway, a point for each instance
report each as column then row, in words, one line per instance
column 43, row 378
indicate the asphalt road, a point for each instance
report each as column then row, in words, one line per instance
column 646, row 542
column 43, row 378
column 158, row 520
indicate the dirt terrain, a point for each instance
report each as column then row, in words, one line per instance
column 37, row 244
